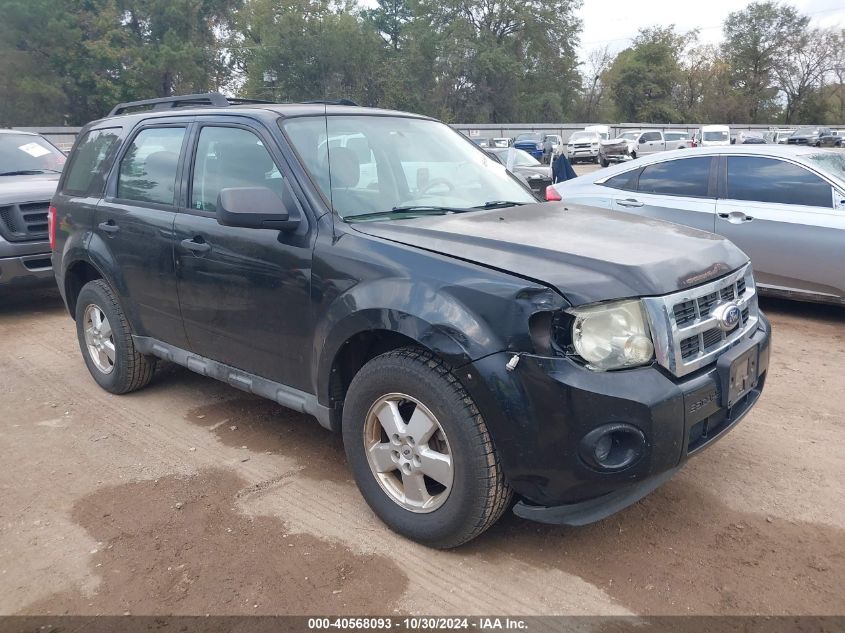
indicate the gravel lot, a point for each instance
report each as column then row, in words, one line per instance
column 190, row 497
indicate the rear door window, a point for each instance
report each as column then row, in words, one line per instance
column 148, row 170
column 86, row 161
column 760, row 179
column 682, row 177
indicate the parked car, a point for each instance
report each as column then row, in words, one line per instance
column 784, row 206
column 468, row 343
column 715, row 135
column 753, row 139
column 678, row 140
column 780, row 135
column 583, row 146
column 808, row 136
column 483, row 142
column 630, row 145
column 831, row 139
column 502, row 142
column 29, row 171
column 526, row 168
column 531, row 142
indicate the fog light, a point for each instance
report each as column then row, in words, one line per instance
column 613, row 447
column 602, row 447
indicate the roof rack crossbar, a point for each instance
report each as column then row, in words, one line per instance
column 165, row 103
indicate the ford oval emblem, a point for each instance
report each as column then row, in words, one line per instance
column 728, row 316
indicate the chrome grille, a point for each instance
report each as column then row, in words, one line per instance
column 687, row 335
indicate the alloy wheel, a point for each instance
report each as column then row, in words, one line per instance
column 99, row 338
column 408, row 453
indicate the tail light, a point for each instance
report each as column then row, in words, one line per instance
column 51, row 226
column 552, row 195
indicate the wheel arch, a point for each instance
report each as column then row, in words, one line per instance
column 358, row 340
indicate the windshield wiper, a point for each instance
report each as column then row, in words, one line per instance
column 499, row 204
column 403, row 212
column 29, row 172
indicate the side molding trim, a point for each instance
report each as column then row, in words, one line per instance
column 284, row 395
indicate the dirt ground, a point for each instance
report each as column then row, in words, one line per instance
column 190, row 497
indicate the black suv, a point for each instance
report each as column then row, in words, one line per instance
column 380, row 272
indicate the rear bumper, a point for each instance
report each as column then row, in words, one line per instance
column 29, row 270
column 541, row 414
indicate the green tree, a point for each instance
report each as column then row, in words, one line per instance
column 643, row 79
column 504, row 60
column 756, row 51
column 296, row 50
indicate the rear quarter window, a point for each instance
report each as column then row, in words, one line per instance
column 86, row 162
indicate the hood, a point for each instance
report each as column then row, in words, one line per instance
column 16, row 189
column 544, row 171
column 588, row 255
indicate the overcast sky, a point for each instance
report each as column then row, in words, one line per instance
column 615, row 22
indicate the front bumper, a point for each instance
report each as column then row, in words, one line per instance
column 576, row 154
column 539, row 414
column 34, row 270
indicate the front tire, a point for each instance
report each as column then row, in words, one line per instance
column 420, row 451
column 106, row 341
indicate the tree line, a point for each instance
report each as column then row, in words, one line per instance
column 470, row 61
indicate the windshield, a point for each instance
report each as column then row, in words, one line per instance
column 832, row 163
column 629, row 136
column 584, row 136
column 28, row 154
column 521, row 158
column 527, row 137
column 374, row 164
column 805, row 130
column 715, row 136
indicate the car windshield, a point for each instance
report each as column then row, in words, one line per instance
column 527, row 137
column 377, row 164
column 832, row 163
column 805, row 130
column 584, row 136
column 629, row 136
column 521, row 158
column 27, row 153
column 715, row 136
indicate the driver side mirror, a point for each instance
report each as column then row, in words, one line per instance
column 257, row 208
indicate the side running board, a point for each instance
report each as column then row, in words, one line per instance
column 284, row 395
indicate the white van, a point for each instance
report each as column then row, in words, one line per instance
column 713, row 135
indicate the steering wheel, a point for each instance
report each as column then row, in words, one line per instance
column 435, row 183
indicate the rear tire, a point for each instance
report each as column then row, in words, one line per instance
column 105, row 339
column 410, row 392
column 605, row 163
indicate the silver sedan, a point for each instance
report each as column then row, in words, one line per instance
column 784, row 206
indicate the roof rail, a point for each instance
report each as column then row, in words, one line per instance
column 343, row 102
column 214, row 99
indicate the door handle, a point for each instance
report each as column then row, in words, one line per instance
column 736, row 217
column 629, row 202
column 109, row 226
column 196, row 245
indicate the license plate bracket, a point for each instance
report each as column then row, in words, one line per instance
column 738, row 372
